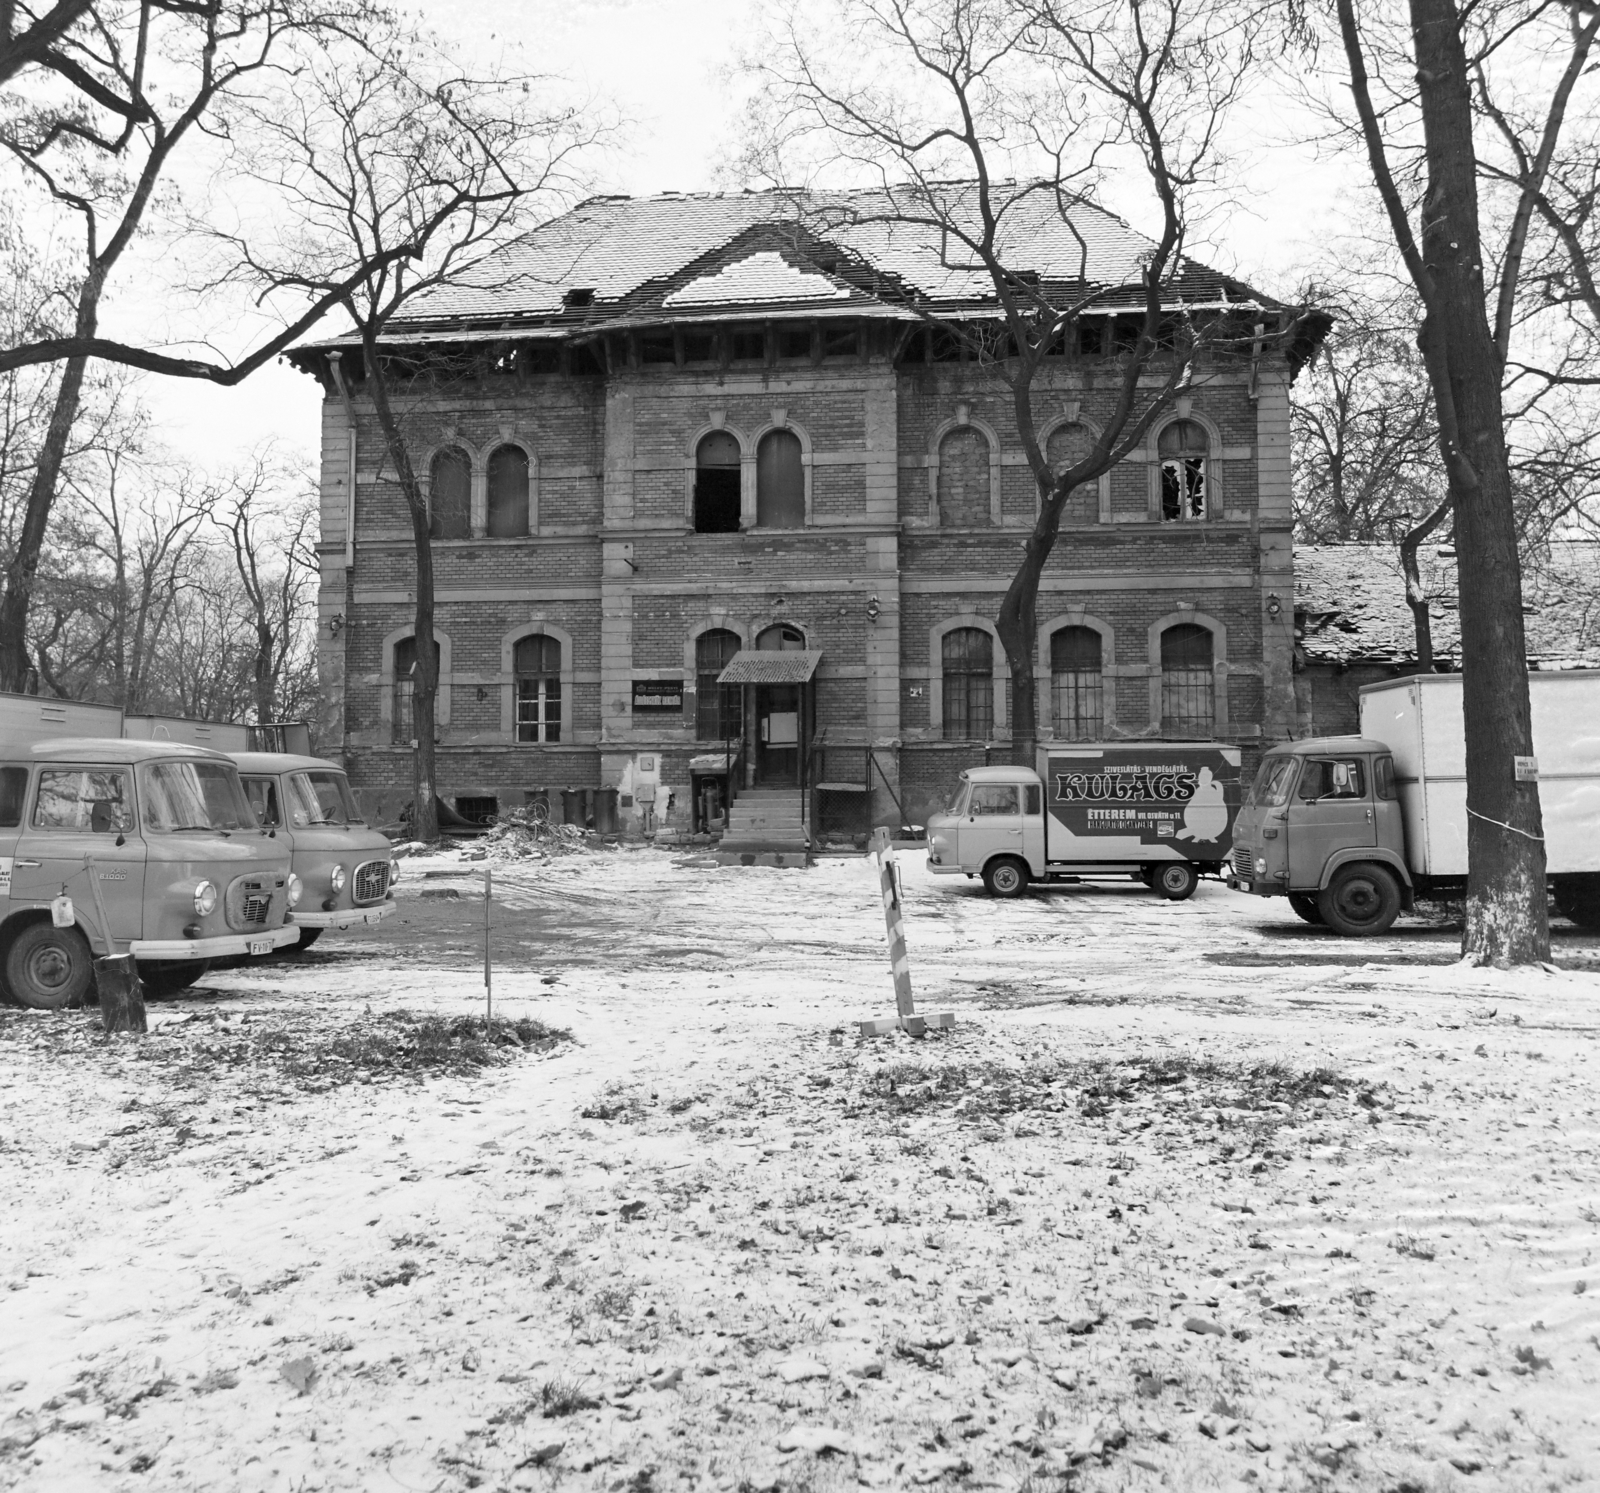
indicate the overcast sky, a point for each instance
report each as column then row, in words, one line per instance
column 667, row 65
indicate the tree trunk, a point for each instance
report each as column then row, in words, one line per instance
column 1506, row 908
column 424, row 814
column 1416, row 597
column 21, row 573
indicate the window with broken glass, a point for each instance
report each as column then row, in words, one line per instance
column 1185, row 478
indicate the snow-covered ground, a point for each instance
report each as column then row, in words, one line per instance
column 1192, row 1196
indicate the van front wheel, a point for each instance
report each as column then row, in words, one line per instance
column 1176, row 881
column 1006, row 877
column 1360, row 901
column 49, row 968
column 1305, row 907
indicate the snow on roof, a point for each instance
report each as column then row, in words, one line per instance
column 1350, row 605
column 644, row 254
column 766, row 276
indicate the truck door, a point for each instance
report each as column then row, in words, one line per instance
column 992, row 824
column 13, row 791
column 80, row 811
column 1330, row 810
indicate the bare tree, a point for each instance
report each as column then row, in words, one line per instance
column 394, row 173
column 1466, row 331
column 117, row 100
column 977, row 116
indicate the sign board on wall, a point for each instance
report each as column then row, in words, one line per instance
column 1173, row 794
column 658, row 697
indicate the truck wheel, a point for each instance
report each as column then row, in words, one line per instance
column 1146, row 875
column 1305, row 907
column 1578, row 900
column 169, row 979
column 1006, row 877
column 1360, row 901
column 49, row 968
column 308, row 936
column 1176, row 881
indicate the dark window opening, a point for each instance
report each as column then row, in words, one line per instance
column 405, row 688
column 841, row 343
column 587, row 359
column 716, row 484
column 508, row 493
column 780, row 481
column 578, row 297
column 536, row 661
column 1125, row 333
column 699, row 347
column 1090, row 334
column 748, row 346
column 450, row 495
column 1182, row 448
column 944, row 347
column 915, row 349
column 719, row 713
column 968, row 675
column 540, row 357
column 794, row 342
column 1076, row 683
column 478, row 810
column 1188, row 699
column 658, row 347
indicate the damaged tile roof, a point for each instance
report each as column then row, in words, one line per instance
column 1350, row 605
column 623, row 261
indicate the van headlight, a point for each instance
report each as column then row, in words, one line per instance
column 293, row 889
column 336, row 881
column 1261, row 865
column 205, row 898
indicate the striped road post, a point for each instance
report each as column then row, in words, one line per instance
column 906, row 1018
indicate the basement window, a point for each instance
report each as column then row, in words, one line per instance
column 480, row 810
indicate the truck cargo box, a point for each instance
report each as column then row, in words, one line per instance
column 220, row 736
column 1139, row 801
column 26, row 719
column 1420, row 719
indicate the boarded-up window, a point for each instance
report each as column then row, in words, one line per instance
column 536, row 662
column 964, row 479
column 1184, row 477
column 1067, row 446
column 716, row 484
column 1076, row 683
column 1188, row 700
column 780, row 481
column 450, row 495
column 968, row 674
column 718, row 714
column 405, row 687
column 508, row 493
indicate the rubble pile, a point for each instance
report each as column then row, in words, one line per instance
column 527, row 834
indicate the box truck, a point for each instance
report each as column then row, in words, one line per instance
column 1161, row 811
column 1352, row 829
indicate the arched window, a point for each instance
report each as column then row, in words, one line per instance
column 968, row 667
column 1182, row 449
column 780, row 481
column 536, row 662
column 508, row 493
column 1076, row 687
column 718, row 712
column 716, row 484
column 1067, row 446
column 1188, row 702
column 405, row 688
column 964, row 479
column 780, row 638
column 450, row 495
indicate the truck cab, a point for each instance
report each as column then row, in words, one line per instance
column 344, row 865
column 184, row 873
column 993, row 826
column 1322, row 826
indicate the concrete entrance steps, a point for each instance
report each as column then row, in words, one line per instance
column 765, row 819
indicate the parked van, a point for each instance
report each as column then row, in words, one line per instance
column 1351, row 829
column 344, row 866
column 184, row 872
column 1161, row 811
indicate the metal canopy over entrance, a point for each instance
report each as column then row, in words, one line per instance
column 755, row 667
column 780, row 709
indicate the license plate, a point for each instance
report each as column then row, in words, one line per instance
column 260, row 945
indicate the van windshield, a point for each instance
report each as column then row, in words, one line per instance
column 1274, row 781
column 181, row 796
column 957, row 799
column 323, row 798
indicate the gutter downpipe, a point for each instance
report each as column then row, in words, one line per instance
column 350, row 470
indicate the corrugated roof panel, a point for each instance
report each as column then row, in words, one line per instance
column 754, row 666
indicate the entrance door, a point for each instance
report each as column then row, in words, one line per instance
column 778, row 735
column 1330, row 810
column 81, row 811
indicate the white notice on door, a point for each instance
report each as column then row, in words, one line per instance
column 783, row 728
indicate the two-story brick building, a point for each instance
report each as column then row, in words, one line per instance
column 712, row 495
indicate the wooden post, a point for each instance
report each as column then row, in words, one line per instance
column 905, row 1006
column 116, row 976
